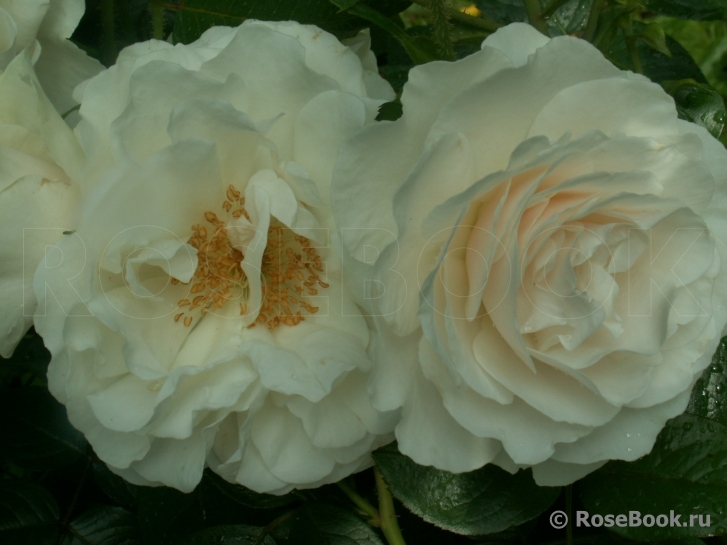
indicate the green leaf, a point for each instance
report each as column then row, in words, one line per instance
column 38, row 436
column 706, row 42
column 421, row 49
column 570, row 18
column 686, row 472
column 167, row 515
column 698, row 103
column 653, row 35
column 29, row 361
column 708, row 394
column 503, row 11
column 115, row 487
column 690, row 9
column 610, row 539
column 241, row 496
column 104, row 526
column 484, row 501
column 658, row 67
column 196, row 16
column 237, row 534
column 324, row 524
column 28, row 514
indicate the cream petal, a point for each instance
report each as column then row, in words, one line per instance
column 320, row 128
column 199, row 391
column 518, row 95
column 516, row 41
column 629, row 436
column 256, row 476
column 621, row 105
column 276, row 60
column 174, row 463
column 60, row 68
column 430, row 436
column 286, row 449
column 552, row 473
column 527, row 435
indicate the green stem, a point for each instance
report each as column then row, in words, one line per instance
column 389, row 524
column 442, row 28
column 569, row 511
column 592, row 23
column 532, row 8
column 483, row 21
column 108, row 33
column 631, row 45
column 361, row 503
column 551, row 8
column 157, row 21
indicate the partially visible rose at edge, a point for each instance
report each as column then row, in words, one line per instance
column 39, row 200
column 43, row 27
column 546, row 243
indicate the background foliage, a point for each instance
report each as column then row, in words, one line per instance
column 54, row 490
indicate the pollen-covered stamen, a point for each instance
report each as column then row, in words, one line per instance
column 291, row 270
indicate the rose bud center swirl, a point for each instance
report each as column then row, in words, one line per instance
column 291, row 270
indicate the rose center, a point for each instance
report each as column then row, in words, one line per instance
column 290, row 271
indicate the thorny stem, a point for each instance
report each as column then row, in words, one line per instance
column 362, row 504
column 389, row 524
column 442, row 28
column 532, row 7
column 483, row 22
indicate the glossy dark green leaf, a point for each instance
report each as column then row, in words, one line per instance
column 196, row 16
column 421, row 49
column 36, row 431
column 29, row 361
column 503, row 11
column 698, row 103
column 390, row 111
column 653, row 35
column 708, row 396
column 104, row 525
column 115, row 487
column 318, row 523
column 658, row 67
column 570, row 18
column 235, row 494
column 690, row 9
column 610, row 539
column 485, row 501
column 28, row 514
column 686, row 472
column 166, row 516
column 232, row 534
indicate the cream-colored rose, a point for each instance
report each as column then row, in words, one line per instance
column 552, row 274
column 43, row 28
column 199, row 315
column 38, row 200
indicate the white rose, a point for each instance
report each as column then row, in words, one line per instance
column 201, row 316
column 38, row 201
column 557, row 278
column 43, row 27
